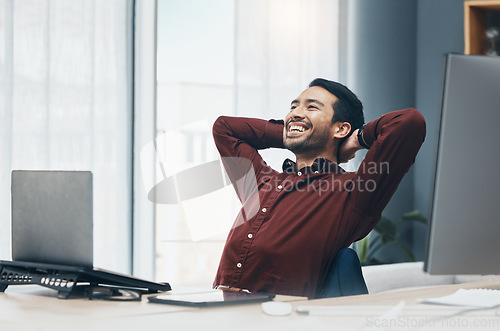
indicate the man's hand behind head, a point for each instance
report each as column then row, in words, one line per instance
column 348, row 148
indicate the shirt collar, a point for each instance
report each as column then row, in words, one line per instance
column 320, row 165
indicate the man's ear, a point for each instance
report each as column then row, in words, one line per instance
column 341, row 129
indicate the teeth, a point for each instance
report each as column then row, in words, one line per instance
column 296, row 128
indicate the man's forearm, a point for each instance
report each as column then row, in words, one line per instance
column 231, row 132
column 403, row 123
column 238, row 141
column 394, row 141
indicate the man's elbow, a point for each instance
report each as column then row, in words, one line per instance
column 219, row 126
column 415, row 123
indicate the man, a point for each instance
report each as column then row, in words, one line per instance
column 312, row 209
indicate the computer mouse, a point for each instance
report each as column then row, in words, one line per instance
column 276, row 308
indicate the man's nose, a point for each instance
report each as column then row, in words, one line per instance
column 298, row 112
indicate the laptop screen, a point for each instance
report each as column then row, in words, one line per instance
column 52, row 217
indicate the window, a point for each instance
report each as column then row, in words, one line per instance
column 224, row 57
column 194, row 86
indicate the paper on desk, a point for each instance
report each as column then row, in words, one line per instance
column 481, row 298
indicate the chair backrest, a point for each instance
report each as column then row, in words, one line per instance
column 344, row 277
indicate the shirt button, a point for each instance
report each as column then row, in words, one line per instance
column 239, row 265
column 250, row 235
column 264, row 210
column 280, row 187
column 299, row 173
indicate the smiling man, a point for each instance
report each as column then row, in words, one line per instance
column 302, row 216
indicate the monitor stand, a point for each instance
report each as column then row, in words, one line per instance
column 67, row 279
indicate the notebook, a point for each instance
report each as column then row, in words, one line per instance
column 480, row 298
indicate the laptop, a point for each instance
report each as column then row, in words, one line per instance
column 52, row 217
column 52, row 234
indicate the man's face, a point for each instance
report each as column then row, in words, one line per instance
column 308, row 125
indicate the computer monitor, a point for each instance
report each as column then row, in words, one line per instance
column 464, row 232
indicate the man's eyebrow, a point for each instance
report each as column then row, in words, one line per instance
column 315, row 101
column 309, row 101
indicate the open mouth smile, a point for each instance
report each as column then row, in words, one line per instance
column 296, row 128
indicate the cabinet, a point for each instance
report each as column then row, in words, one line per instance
column 479, row 15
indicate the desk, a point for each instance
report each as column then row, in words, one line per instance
column 36, row 308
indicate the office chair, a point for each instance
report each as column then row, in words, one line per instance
column 344, row 277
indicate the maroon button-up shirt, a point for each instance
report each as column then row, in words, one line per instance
column 294, row 222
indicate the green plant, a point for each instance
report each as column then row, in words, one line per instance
column 386, row 233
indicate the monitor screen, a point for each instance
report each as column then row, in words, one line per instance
column 464, row 233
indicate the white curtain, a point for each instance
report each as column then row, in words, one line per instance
column 65, row 103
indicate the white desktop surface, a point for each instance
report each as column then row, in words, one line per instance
column 31, row 307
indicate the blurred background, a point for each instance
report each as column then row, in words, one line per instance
column 95, row 85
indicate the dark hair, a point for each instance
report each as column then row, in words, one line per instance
column 347, row 108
